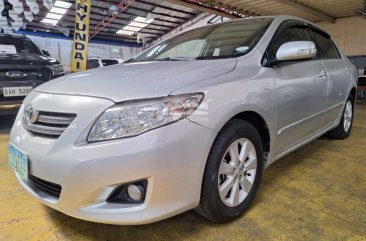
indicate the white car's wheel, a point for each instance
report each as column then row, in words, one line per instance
column 233, row 172
column 343, row 130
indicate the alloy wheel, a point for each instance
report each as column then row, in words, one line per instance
column 237, row 172
column 348, row 113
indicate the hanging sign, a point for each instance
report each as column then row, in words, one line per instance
column 31, row 2
column 13, row 2
column 28, row 15
column 7, row 29
column 1, row 5
column 81, row 35
column 48, row 3
column 3, row 22
column 17, row 25
column 34, row 9
column 33, row 6
column 13, row 15
column 18, row 8
column 64, row 31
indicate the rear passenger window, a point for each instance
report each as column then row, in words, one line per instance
column 325, row 46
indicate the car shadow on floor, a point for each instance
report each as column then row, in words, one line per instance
column 6, row 122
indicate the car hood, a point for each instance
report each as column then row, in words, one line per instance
column 26, row 59
column 138, row 80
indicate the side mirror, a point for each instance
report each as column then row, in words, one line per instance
column 45, row 52
column 296, row 50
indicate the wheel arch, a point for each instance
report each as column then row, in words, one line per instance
column 353, row 92
column 260, row 124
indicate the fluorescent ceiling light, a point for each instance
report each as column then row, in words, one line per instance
column 131, row 28
column 54, row 16
column 62, row 4
column 58, row 10
column 136, row 24
column 49, row 21
column 143, row 20
column 125, row 32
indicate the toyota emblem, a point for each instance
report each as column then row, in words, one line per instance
column 30, row 114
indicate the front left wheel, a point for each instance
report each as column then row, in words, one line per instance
column 233, row 172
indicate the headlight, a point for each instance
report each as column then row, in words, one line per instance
column 57, row 69
column 134, row 118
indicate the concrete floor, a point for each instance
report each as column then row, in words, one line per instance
column 315, row 193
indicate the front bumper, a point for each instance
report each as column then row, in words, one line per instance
column 171, row 158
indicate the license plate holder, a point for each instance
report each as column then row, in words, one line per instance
column 17, row 91
column 18, row 161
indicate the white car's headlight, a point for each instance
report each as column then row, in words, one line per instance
column 134, row 118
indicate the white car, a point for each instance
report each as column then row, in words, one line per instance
column 189, row 124
column 94, row 63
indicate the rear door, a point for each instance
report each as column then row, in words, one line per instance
column 338, row 75
column 300, row 90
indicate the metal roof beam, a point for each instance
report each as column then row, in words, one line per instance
column 195, row 5
column 308, row 10
column 164, row 7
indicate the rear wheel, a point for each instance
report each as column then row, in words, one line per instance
column 233, row 172
column 343, row 130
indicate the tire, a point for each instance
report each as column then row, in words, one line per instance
column 343, row 130
column 219, row 202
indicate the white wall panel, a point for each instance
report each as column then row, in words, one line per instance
column 349, row 34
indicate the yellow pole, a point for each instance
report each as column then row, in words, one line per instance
column 81, row 35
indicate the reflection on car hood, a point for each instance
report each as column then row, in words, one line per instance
column 138, row 80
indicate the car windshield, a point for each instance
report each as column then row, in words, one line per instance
column 226, row 40
column 17, row 45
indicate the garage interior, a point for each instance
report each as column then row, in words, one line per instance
column 315, row 193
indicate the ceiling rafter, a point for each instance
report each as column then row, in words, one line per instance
column 308, row 10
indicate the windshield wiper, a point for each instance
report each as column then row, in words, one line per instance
column 174, row 59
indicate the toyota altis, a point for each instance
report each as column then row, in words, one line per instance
column 190, row 123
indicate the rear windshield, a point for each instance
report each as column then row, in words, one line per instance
column 226, row 40
column 107, row 62
column 17, row 45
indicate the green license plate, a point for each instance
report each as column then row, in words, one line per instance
column 18, row 160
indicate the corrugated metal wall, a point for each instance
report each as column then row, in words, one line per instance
column 61, row 49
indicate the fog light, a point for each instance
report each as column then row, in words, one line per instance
column 135, row 192
column 129, row 193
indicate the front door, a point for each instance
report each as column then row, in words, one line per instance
column 300, row 91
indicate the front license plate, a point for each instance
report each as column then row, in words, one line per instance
column 16, row 91
column 18, row 160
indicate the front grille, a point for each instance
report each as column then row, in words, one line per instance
column 43, row 74
column 49, row 188
column 49, row 124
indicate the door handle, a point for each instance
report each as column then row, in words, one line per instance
column 322, row 74
column 348, row 70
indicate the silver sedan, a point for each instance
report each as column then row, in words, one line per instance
column 191, row 123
